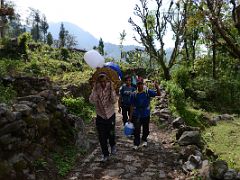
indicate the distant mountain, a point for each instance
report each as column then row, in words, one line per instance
column 87, row 41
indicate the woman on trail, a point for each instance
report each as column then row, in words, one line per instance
column 104, row 97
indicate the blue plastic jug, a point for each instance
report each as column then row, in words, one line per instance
column 128, row 128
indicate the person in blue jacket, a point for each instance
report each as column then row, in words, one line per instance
column 140, row 111
column 124, row 99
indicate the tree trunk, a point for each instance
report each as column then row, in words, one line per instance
column 2, row 21
column 214, row 55
column 166, row 74
column 186, row 50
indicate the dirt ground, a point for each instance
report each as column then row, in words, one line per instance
column 156, row 161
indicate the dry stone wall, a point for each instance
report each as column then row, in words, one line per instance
column 33, row 126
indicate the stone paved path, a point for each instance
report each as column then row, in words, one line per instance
column 157, row 161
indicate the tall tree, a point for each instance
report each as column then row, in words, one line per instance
column 65, row 38
column 122, row 38
column 44, row 27
column 193, row 28
column 225, row 21
column 34, row 20
column 62, row 37
column 70, row 40
column 15, row 27
column 6, row 14
column 49, row 39
column 153, row 30
column 101, row 46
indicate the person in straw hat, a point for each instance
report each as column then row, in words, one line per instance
column 103, row 96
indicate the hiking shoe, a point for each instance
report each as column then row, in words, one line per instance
column 113, row 150
column 144, row 144
column 104, row 159
column 135, row 147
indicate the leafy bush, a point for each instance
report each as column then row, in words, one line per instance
column 181, row 76
column 79, row 107
column 179, row 106
column 9, row 67
column 23, row 41
column 9, row 48
column 7, row 94
column 177, row 97
column 64, row 54
column 203, row 66
column 222, row 95
column 33, row 68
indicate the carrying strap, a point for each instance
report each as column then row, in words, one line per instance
column 148, row 97
column 145, row 91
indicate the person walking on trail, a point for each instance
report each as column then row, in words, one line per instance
column 140, row 111
column 103, row 96
column 124, row 99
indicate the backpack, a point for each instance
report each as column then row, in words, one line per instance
column 125, row 97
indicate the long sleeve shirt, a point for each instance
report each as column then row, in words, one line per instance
column 103, row 100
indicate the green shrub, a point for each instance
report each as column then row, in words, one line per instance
column 179, row 106
column 221, row 95
column 64, row 54
column 33, row 68
column 177, row 97
column 23, row 41
column 7, row 94
column 181, row 76
column 79, row 107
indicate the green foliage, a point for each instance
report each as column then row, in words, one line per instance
column 203, row 66
column 33, row 68
column 179, row 106
column 49, row 39
column 23, row 41
column 177, row 97
column 62, row 36
column 222, row 94
column 181, row 76
column 75, row 77
column 8, row 48
column 224, row 140
column 79, row 107
column 64, row 54
column 10, row 67
column 40, row 163
column 65, row 160
column 7, row 94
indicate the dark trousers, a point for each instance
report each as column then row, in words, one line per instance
column 125, row 113
column 106, row 133
column 138, row 123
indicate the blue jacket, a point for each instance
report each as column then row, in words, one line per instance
column 141, row 103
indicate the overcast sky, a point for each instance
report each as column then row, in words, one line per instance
column 101, row 18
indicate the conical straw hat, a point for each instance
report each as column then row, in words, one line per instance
column 111, row 74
